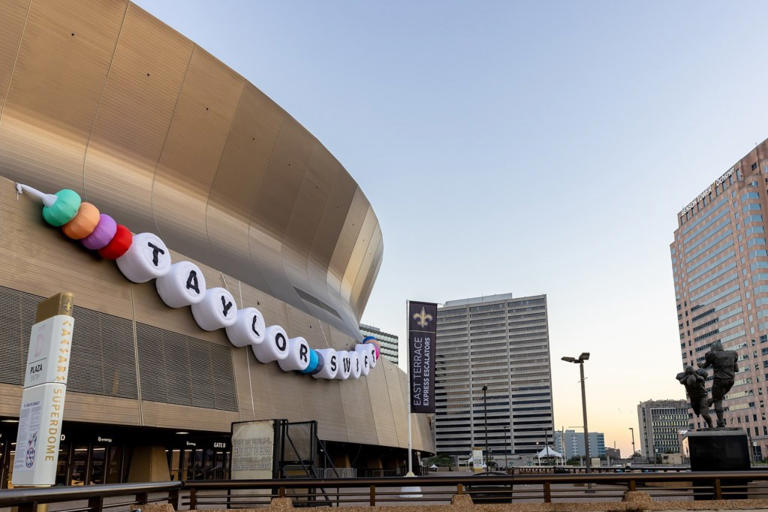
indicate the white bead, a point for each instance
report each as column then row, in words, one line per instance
column 248, row 329
column 363, row 353
column 331, row 364
column 274, row 347
column 298, row 355
column 147, row 258
column 357, row 365
column 217, row 310
column 183, row 285
column 345, row 365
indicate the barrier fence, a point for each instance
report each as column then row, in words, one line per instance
column 546, row 488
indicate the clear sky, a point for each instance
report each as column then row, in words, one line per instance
column 525, row 147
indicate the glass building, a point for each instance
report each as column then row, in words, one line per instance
column 389, row 342
column 720, row 267
column 500, row 342
column 571, row 443
column 660, row 422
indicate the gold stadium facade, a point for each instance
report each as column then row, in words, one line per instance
column 104, row 99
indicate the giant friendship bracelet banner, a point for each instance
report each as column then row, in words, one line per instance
column 144, row 256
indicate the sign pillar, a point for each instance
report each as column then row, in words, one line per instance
column 45, row 386
column 422, row 333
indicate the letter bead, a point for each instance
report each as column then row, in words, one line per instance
column 298, row 355
column 148, row 258
column 364, row 355
column 345, row 365
column 331, row 366
column 357, row 365
column 217, row 310
column 183, row 285
column 248, row 329
column 274, row 347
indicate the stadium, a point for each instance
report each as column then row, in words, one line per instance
column 103, row 105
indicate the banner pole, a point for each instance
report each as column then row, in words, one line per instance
column 410, row 438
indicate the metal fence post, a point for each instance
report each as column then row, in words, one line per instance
column 193, row 498
column 96, row 503
column 718, row 490
column 632, row 484
column 372, row 499
column 28, row 507
column 142, row 498
column 173, row 498
column 547, row 492
column 460, row 489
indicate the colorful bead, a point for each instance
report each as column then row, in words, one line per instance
column 103, row 233
column 119, row 244
column 373, row 341
column 64, row 209
column 84, row 223
column 320, row 363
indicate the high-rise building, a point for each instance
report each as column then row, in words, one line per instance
column 389, row 342
column 660, row 423
column 720, row 267
column 574, row 443
column 499, row 343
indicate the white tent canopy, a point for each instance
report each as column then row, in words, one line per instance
column 549, row 452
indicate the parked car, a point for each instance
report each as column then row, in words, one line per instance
column 482, row 492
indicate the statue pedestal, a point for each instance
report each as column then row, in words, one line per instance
column 725, row 449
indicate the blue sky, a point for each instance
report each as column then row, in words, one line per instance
column 549, row 146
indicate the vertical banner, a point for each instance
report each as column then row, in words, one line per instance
column 45, row 387
column 422, row 330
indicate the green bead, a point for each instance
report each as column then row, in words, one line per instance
column 64, row 209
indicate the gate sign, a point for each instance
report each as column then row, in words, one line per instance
column 45, row 388
column 422, row 330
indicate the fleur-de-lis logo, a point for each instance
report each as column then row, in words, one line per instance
column 423, row 318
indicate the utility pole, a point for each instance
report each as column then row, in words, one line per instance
column 580, row 361
column 584, row 411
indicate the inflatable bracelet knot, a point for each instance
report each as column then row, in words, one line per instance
column 144, row 256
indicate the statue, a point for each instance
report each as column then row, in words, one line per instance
column 697, row 393
column 723, row 362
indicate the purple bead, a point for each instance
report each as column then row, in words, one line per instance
column 102, row 235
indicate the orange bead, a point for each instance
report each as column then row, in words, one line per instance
column 84, row 222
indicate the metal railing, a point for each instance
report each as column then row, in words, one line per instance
column 546, row 488
column 94, row 496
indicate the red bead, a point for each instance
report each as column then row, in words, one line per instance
column 120, row 243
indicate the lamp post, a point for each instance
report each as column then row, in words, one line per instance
column 485, row 407
column 633, row 442
column 580, row 361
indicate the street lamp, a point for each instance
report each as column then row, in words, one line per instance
column 485, row 406
column 580, row 361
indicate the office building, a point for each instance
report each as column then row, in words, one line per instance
column 389, row 342
column 571, row 443
column 104, row 100
column 660, row 424
column 501, row 343
column 720, row 267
